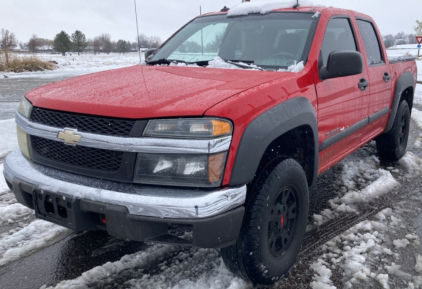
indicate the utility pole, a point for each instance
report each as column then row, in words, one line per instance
column 137, row 30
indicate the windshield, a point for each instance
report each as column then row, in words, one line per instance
column 271, row 41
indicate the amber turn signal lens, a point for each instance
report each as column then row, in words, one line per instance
column 215, row 167
column 220, row 127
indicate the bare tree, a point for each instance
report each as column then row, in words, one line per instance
column 33, row 43
column 7, row 41
column 412, row 39
column 106, row 43
column 96, row 45
column 388, row 40
column 143, row 41
column 149, row 42
column 154, row 41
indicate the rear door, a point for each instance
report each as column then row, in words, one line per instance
column 342, row 106
column 379, row 79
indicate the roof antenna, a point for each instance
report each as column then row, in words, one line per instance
column 296, row 5
column 137, row 30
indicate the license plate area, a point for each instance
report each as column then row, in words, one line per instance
column 55, row 208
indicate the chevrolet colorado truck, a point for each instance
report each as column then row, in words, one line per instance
column 221, row 132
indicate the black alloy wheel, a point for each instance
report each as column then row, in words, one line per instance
column 283, row 221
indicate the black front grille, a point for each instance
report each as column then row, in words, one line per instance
column 84, row 157
column 84, row 123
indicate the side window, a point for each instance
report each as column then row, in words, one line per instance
column 370, row 41
column 338, row 37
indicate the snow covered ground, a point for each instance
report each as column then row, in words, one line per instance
column 73, row 64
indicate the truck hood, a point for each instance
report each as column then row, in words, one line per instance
column 148, row 91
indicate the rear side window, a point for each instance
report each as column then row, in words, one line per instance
column 371, row 43
column 338, row 37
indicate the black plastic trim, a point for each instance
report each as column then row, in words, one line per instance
column 405, row 81
column 378, row 114
column 124, row 174
column 267, row 127
column 352, row 129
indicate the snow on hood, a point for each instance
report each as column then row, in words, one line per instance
column 295, row 68
column 218, row 62
column 247, row 8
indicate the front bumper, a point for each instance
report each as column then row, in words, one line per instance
column 141, row 213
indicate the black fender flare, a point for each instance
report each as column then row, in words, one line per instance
column 405, row 81
column 267, row 127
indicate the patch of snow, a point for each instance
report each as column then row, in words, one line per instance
column 35, row 236
column 80, row 64
column 9, row 140
column 418, row 92
column 394, row 269
column 192, row 269
column 295, row 68
column 417, row 117
column 412, row 163
column 316, row 15
column 382, row 185
column 383, row 280
column 9, row 214
column 418, row 265
column 322, row 277
column 218, row 62
column 263, row 7
column 181, row 64
column 401, row 243
column 3, row 186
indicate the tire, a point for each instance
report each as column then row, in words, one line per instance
column 392, row 145
column 273, row 227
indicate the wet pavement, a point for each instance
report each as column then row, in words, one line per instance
column 80, row 252
column 13, row 89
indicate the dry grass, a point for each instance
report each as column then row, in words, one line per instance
column 24, row 63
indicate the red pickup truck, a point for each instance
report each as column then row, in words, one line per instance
column 222, row 132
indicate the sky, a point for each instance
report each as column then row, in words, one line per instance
column 162, row 18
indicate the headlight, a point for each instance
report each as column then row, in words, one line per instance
column 188, row 128
column 180, row 170
column 191, row 170
column 25, row 108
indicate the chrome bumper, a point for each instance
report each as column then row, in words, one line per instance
column 160, row 202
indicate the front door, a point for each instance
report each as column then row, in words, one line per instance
column 342, row 105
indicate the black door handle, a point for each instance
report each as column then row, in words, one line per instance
column 386, row 77
column 363, row 84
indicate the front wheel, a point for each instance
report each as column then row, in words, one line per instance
column 273, row 227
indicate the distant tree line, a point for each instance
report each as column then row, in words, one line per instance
column 76, row 42
column 398, row 39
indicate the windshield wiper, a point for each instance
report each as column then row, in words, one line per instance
column 165, row 61
column 244, row 65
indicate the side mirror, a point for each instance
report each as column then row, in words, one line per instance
column 341, row 64
column 149, row 52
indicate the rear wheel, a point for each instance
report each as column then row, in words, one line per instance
column 392, row 145
column 273, row 227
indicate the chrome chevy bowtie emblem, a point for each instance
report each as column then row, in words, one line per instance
column 69, row 137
